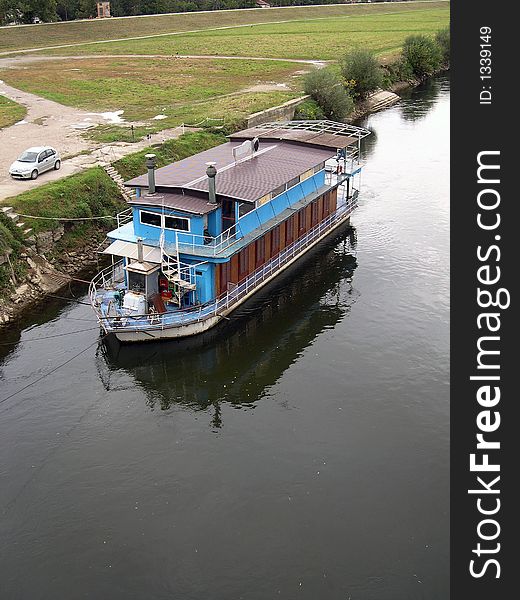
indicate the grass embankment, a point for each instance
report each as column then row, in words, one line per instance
column 88, row 194
column 76, row 32
column 11, row 244
column 322, row 37
column 10, row 112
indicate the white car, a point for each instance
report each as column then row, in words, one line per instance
column 35, row 161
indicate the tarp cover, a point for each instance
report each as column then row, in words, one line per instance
column 129, row 250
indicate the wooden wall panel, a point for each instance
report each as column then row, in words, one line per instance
column 233, row 277
column 260, row 251
column 308, row 216
column 252, row 257
column 218, row 287
column 282, row 235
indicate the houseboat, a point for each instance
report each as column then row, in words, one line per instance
column 204, row 234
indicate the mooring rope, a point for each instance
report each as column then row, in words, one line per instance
column 67, row 218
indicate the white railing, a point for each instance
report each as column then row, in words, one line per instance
column 212, row 245
column 107, row 279
column 124, row 217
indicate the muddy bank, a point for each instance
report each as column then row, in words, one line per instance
column 47, row 274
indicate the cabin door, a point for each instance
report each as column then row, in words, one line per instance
column 228, row 214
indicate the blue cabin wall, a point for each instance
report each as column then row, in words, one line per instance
column 205, row 282
column 255, row 218
column 215, row 222
column 248, row 223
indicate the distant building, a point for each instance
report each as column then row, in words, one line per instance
column 262, row 4
column 103, row 10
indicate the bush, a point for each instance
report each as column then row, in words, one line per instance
column 423, row 54
column 442, row 37
column 327, row 90
column 308, row 110
column 360, row 67
column 396, row 71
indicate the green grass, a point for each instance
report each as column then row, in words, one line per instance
column 40, row 36
column 88, row 194
column 324, row 38
column 171, row 151
column 10, row 112
column 184, row 90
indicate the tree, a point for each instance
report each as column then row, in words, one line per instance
column 423, row 54
column 29, row 10
column 67, row 10
column 360, row 67
column 327, row 89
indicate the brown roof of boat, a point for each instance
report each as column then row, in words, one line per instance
column 274, row 164
column 177, row 201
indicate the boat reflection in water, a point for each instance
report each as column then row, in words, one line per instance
column 239, row 361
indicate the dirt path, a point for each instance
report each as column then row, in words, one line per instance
column 21, row 59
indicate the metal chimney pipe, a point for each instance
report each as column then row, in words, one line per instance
column 211, row 172
column 140, row 250
column 150, row 165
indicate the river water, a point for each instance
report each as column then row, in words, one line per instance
column 300, row 452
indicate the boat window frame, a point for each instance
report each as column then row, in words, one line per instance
column 188, row 221
column 162, row 219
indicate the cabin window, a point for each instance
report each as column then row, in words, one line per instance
column 168, row 222
column 264, row 199
column 319, row 168
column 150, row 218
column 176, row 223
column 307, row 174
column 293, row 182
column 279, row 190
column 244, row 208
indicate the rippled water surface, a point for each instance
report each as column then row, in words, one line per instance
column 299, row 452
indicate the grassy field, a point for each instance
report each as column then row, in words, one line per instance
column 40, row 36
column 184, row 90
column 324, row 38
column 10, row 112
